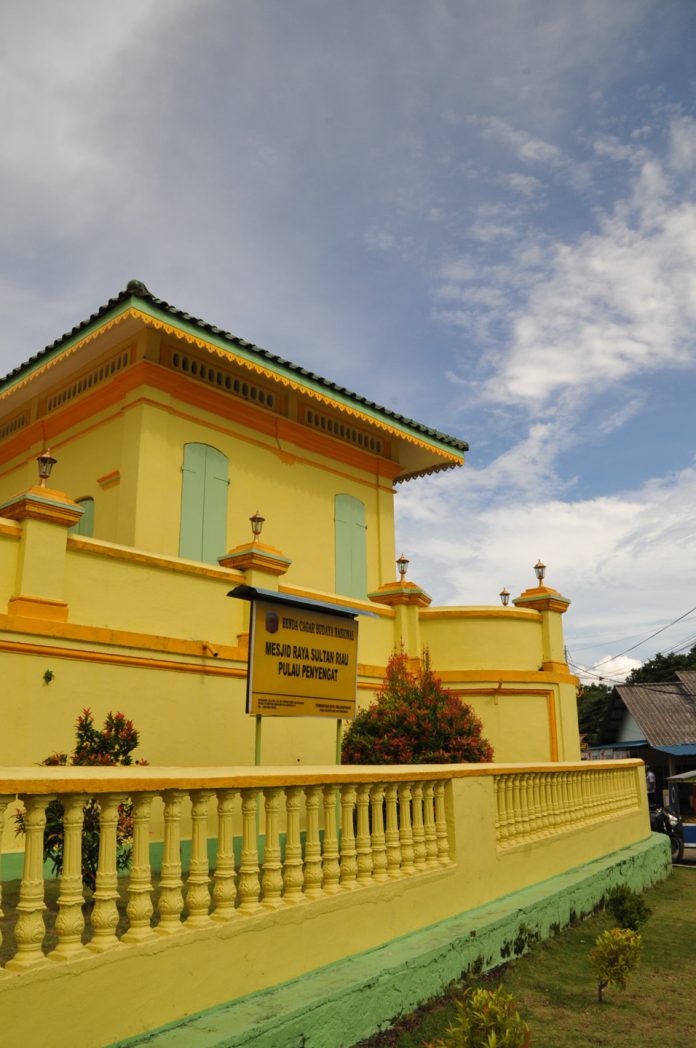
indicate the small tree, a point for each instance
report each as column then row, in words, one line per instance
column 112, row 745
column 415, row 720
column 615, row 957
column 486, row 1018
column 628, row 908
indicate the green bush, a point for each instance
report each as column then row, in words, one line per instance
column 415, row 720
column 486, row 1019
column 615, row 956
column 628, row 908
column 112, row 745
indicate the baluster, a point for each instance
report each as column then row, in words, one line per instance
column 535, row 814
column 29, row 929
column 525, row 805
column 330, row 850
column 563, row 800
column 500, row 812
column 293, row 874
column 4, row 801
column 313, row 889
column 392, row 832
column 405, row 830
column 429, row 824
column 547, row 803
column 362, row 841
column 418, row 828
column 69, row 922
column 198, row 885
column 517, row 824
column 443, row 855
column 249, row 886
column 224, row 889
column 349, row 865
column 379, row 846
column 577, row 799
column 272, row 869
column 171, row 899
column 105, row 912
column 140, row 907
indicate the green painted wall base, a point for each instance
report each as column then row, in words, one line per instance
column 346, row 1002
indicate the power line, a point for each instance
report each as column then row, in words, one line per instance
column 655, row 634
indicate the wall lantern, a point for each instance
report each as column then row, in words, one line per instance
column 540, row 571
column 504, row 597
column 257, row 522
column 46, row 463
column 402, row 564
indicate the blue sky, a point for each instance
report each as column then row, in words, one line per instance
column 480, row 214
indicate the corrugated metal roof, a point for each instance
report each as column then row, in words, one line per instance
column 665, row 712
column 136, row 289
column 688, row 679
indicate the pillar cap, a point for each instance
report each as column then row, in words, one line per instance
column 37, row 503
column 257, row 556
column 542, row 598
column 396, row 594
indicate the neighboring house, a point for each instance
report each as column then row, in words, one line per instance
column 169, row 434
column 656, row 722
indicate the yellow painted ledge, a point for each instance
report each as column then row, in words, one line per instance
column 520, row 676
column 105, row 780
column 153, row 560
column 480, row 613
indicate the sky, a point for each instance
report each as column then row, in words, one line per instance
column 480, row 214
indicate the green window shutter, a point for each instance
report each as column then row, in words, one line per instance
column 351, row 553
column 85, row 525
column 203, row 528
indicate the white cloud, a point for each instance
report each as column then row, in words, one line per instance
column 618, row 302
column 526, row 147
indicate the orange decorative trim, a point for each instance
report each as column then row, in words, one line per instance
column 396, row 594
column 29, row 607
column 521, row 676
column 258, row 556
column 12, row 531
column 541, row 598
column 38, row 503
column 210, row 668
column 555, row 667
column 153, row 560
column 480, row 613
column 119, row 638
column 109, row 480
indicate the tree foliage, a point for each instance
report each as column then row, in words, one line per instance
column 593, row 702
column 615, row 957
column 662, row 667
column 486, row 1019
column 111, row 745
column 415, row 720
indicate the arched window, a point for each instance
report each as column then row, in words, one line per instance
column 351, row 555
column 203, row 529
column 85, row 525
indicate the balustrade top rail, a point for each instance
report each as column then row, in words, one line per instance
column 61, row 779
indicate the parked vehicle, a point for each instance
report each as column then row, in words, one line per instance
column 663, row 820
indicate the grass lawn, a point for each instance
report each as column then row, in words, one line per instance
column 557, row 994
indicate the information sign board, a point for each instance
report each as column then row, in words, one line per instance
column 302, row 662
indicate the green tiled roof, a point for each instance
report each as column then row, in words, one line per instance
column 135, row 289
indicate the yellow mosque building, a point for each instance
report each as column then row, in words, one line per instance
column 180, row 463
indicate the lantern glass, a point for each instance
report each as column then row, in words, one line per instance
column 540, row 571
column 504, row 597
column 46, row 462
column 257, row 522
column 402, row 564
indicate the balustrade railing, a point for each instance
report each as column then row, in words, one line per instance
column 533, row 805
column 280, row 838
column 301, row 853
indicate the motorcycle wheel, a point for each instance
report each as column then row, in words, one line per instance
column 677, row 849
